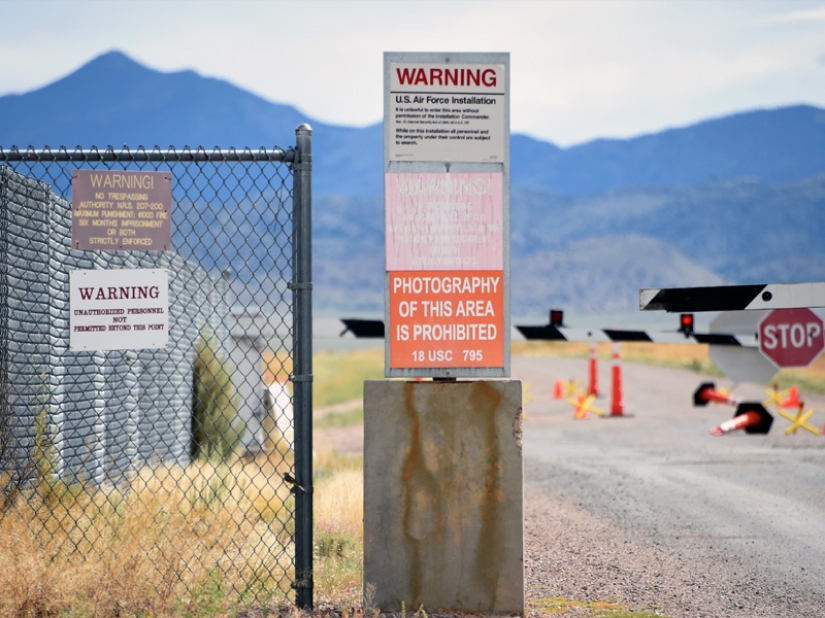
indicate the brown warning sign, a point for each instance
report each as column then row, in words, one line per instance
column 121, row 210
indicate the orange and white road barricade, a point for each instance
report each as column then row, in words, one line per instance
column 617, row 391
column 593, row 387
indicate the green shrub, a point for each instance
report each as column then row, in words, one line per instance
column 216, row 430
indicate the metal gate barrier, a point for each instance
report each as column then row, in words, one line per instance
column 182, row 469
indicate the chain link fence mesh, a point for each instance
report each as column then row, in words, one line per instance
column 166, row 466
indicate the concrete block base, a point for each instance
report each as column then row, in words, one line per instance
column 443, row 516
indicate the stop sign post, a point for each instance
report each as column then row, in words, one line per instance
column 791, row 337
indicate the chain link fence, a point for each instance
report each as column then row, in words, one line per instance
column 168, row 472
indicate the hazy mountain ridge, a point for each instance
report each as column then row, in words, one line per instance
column 739, row 198
column 745, row 231
column 596, row 275
column 776, row 146
column 593, row 253
column 600, row 274
column 114, row 100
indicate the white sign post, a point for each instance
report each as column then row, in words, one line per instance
column 118, row 309
column 447, row 262
column 447, row 214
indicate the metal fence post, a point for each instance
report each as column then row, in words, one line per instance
column 302, row 362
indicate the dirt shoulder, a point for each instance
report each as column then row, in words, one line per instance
column 573, row 555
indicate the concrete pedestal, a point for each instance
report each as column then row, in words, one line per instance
column 443, row 473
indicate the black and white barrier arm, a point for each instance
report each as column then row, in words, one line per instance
column 598, row 335
column 733, row 297
column 363, row 329
column 374, row 329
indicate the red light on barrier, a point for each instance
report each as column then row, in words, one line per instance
column 556, row 317
column 686, row 324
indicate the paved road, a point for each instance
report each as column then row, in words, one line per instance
column 735, row 524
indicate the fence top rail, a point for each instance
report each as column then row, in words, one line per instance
column 141, row 154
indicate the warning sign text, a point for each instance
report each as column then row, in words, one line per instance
column 122, row 210
column 446, row 320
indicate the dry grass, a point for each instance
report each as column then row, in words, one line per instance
column 172, row 542
column 277, row 366
column 556, row 606
column 339, row 538
column 665, row 354
column 811, row 378
column 204, row 540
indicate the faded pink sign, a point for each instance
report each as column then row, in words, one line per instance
column 442, row 221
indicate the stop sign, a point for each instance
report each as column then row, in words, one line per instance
column 791, row 337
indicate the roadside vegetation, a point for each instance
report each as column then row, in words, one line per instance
column 191, row 541
column 678, row 356
column 216, row 430
column 339, row 375
column 556, row 606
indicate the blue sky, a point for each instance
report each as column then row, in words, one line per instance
column 580, row 70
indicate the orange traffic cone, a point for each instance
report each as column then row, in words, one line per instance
column 793, row 399
column 752, row 417
column 558, row 390
column 707, row 392
column 617, row 396
column 748, row 419
column 593, row 389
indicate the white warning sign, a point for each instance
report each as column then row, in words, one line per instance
column 446, row 112
column 118, row 309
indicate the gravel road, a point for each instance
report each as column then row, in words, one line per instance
column 654, row 510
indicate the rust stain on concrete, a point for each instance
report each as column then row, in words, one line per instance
column 430, row 484
column 423, row 508
column 486, row 400
column 458, row 506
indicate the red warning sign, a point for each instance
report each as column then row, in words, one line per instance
column 446, row 319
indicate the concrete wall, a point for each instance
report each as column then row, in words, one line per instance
column 110, row 412
column 443, row 480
